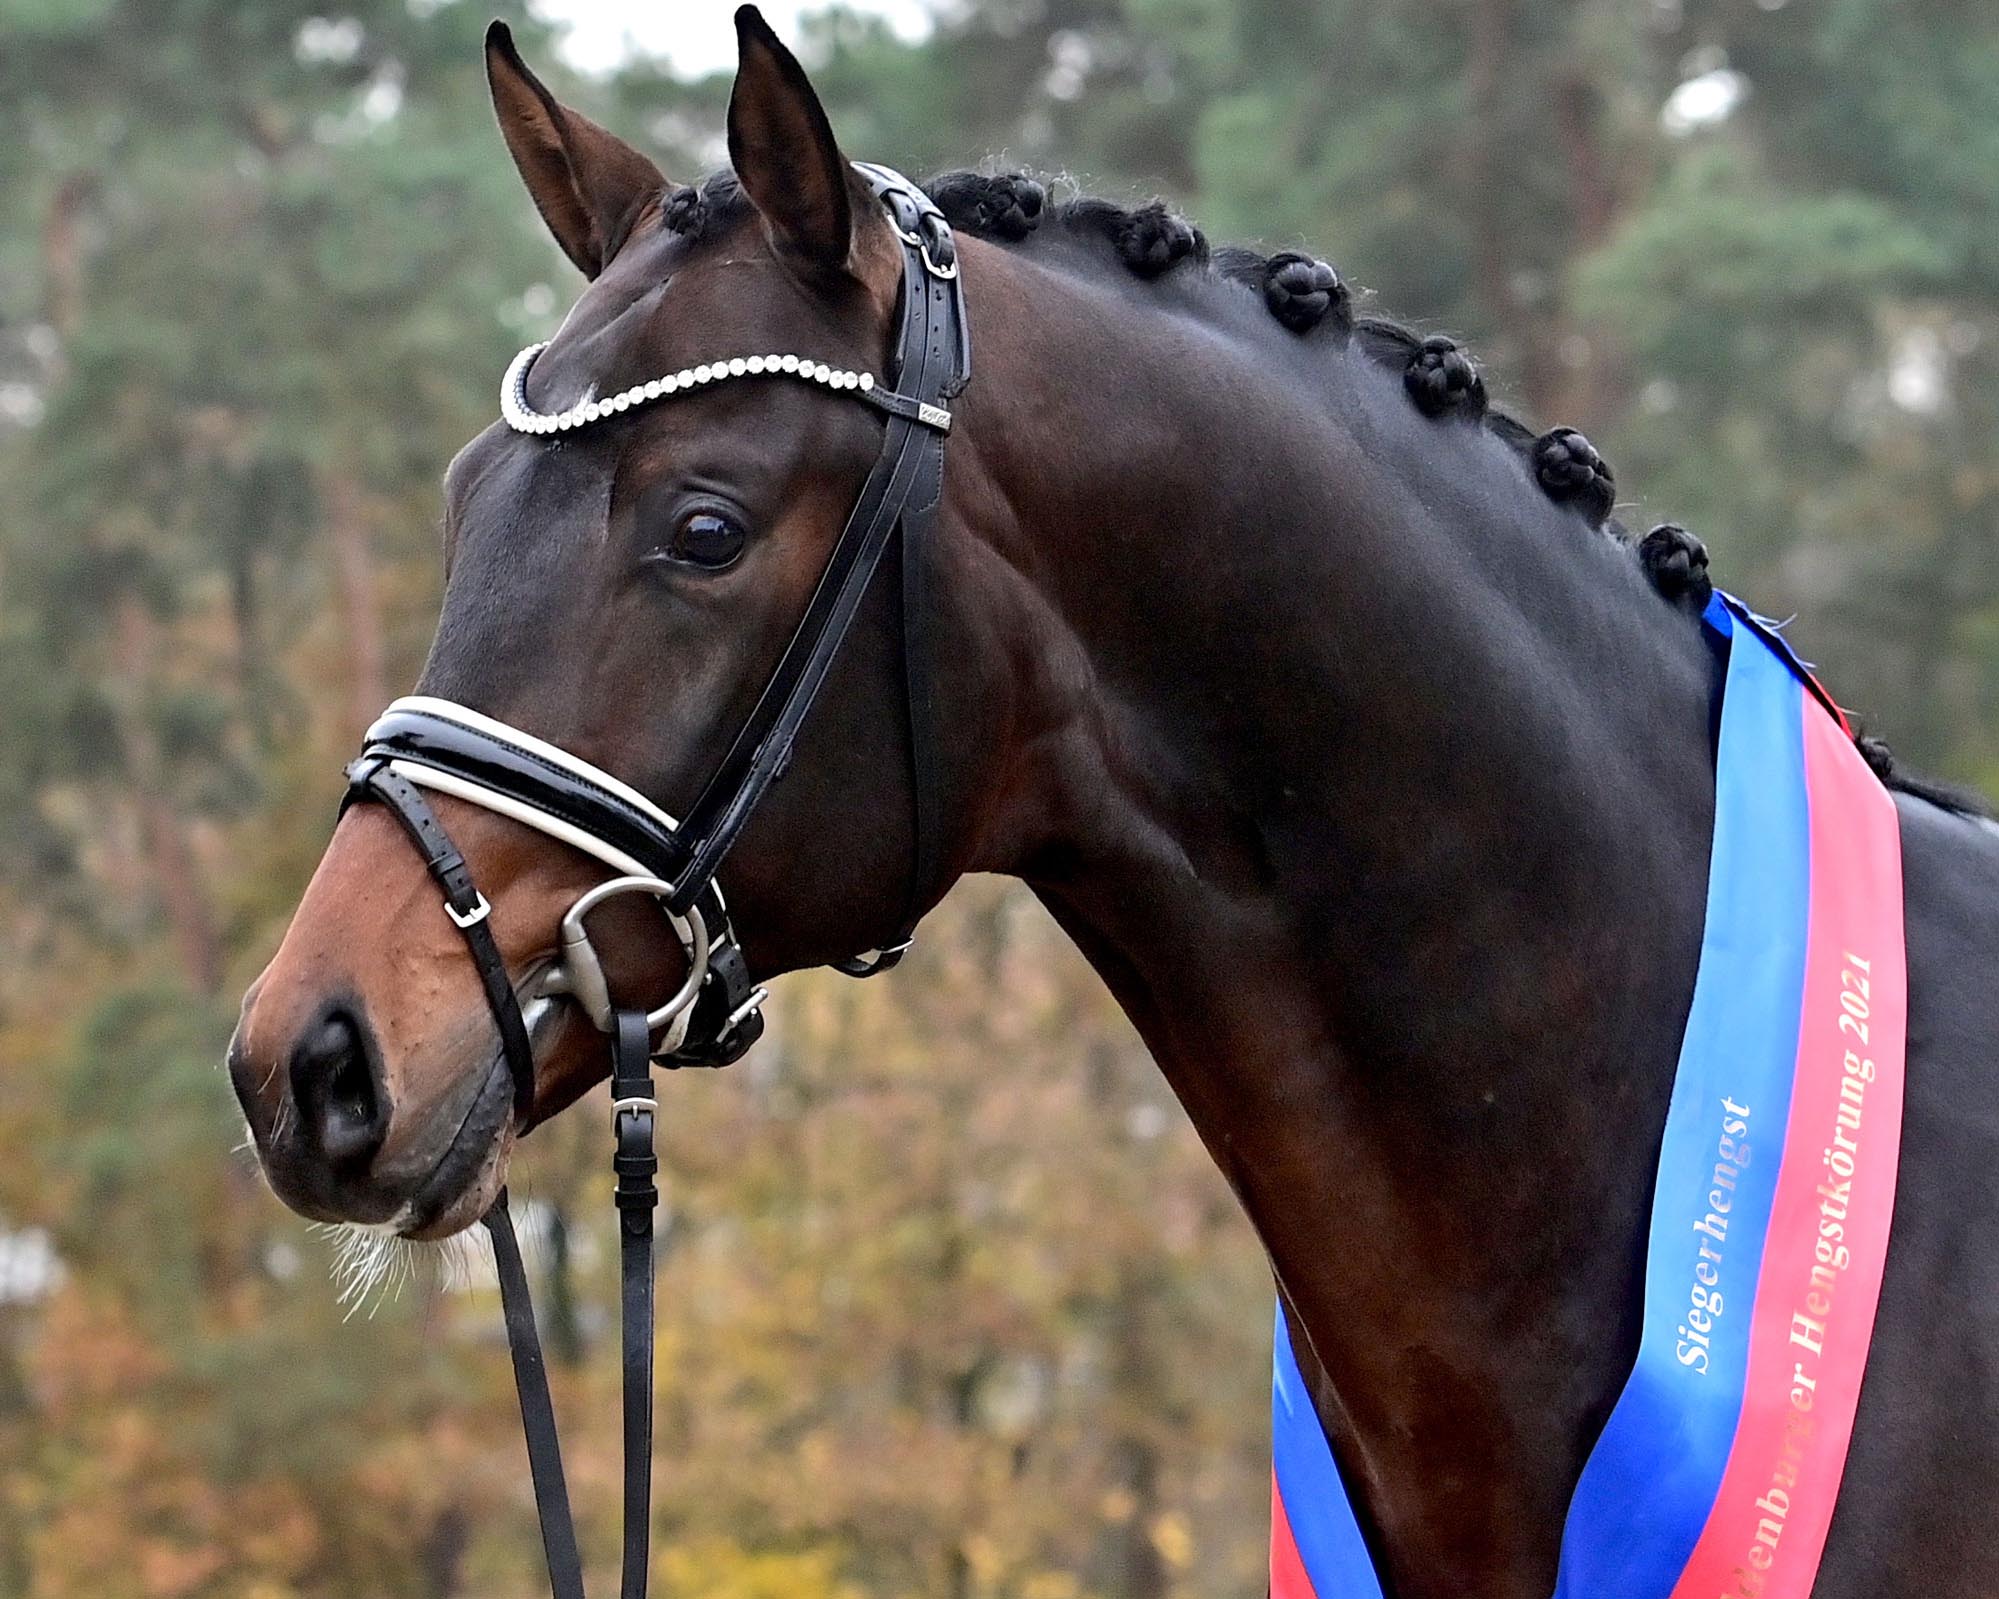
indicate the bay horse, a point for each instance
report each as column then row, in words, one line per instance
column 1310, row 695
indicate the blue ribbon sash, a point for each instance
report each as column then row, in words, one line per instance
column 1717, row 1471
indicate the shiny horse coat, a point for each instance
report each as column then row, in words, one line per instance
column 1309, row 694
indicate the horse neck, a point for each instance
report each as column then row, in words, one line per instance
column 1378, row 791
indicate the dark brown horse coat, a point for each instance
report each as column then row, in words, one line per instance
column 1375, row 783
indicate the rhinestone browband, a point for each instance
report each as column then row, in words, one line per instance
column 523, row 418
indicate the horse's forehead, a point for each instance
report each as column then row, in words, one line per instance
column 663, row 305
column 532, row 526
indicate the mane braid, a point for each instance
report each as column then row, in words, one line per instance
column 1151, row 240
column 1301, row 294
column 1442, row 381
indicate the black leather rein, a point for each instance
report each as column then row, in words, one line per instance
column 423, row 743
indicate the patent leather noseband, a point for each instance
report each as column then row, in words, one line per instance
column 424, row 744
column 448, row 748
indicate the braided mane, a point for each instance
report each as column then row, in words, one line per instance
column 1299, row 291
column 1302, row 292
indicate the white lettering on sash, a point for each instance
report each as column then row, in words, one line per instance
column 1704, row 1298
column 1830, row 1256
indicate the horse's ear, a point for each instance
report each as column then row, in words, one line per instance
column 784, row 152
column 588, row 185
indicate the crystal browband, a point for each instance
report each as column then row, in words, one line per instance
column 523, row 418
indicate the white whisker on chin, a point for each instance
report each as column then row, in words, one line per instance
column 370, row 1263
column 465, row 1260
column 373, row 1262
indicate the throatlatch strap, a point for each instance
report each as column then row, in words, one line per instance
column 925, row 780
column 551, row 1492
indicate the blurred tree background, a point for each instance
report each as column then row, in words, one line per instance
column 927, row 1328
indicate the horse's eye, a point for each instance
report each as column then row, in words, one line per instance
column 707, row 538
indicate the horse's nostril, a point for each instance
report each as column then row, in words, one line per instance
column 340, row 1106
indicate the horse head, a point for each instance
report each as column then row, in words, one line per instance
column 627, row 556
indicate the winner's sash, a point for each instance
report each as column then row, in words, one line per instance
column 1716, row 1474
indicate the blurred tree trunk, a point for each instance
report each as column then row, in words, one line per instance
column 1130, row 1563
column 253, row 673
column 444, row 1552
column 1487, row 70
column 162, row 833
column 565, row 1330
column 62, row 255
column 1584, row 387
column 345, row 508
column 563, row 1189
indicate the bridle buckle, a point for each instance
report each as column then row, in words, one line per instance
column 753, row 1003
column 472, row 918
column 946, row 272
column 943, row 271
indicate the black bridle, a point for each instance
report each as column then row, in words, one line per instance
column 423, row 744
